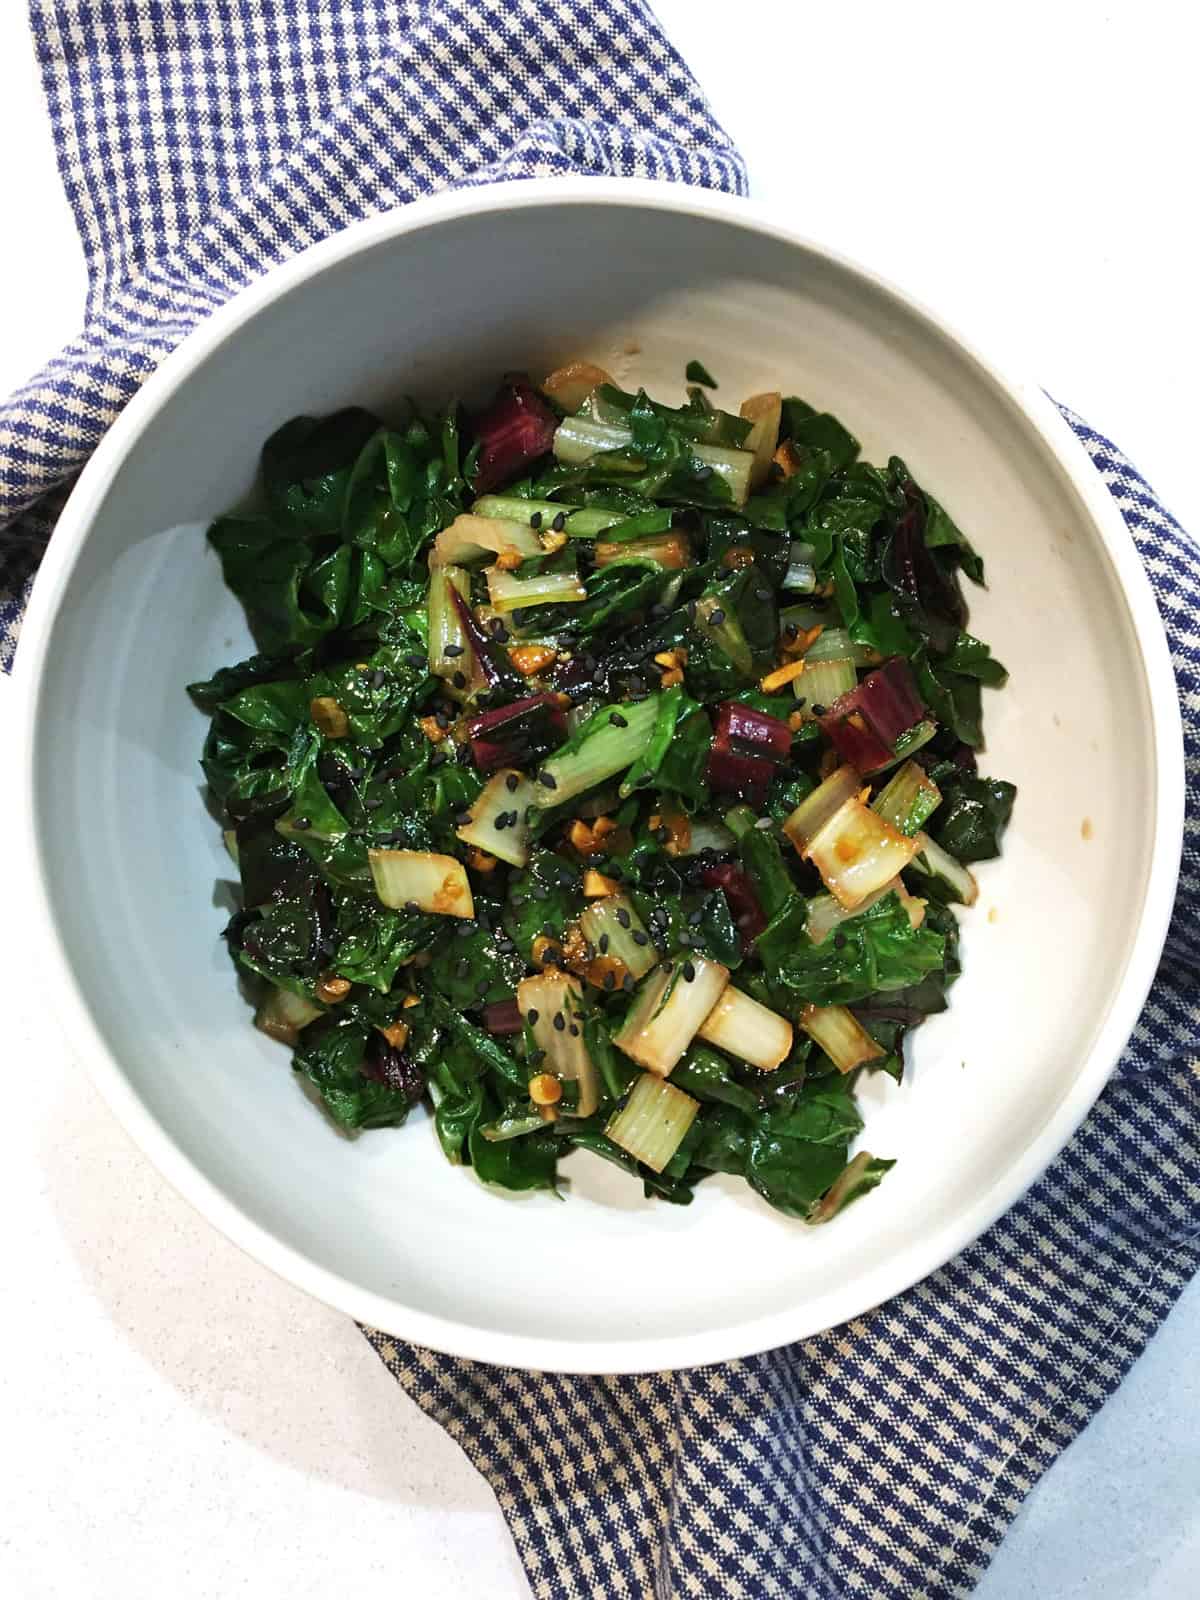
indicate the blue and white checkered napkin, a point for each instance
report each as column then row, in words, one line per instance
column 201, row 141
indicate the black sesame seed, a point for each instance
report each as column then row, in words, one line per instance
column 610, row 982
column 685, row 940
column 623, row 916
column 518, row 901
column 547, row 779
column 512, row 782
column 717, row 617
column 618, row 721
column 696, row 918
column 573, row 1030
column 818, row 711
column 535, row 520
column 463, row 818
column 411, row 905
column 839, row 941
column 560, row 1022
column 463, row 754
column 520, row 615
column 663, row 835
column 482, row 987
column 464, row 930
column 627, row 983
column 459, row 680
column 454, row 650
column 703, row 473
column 535, row 1057
column 791, row 631
column 559, row 522
column 639, row 937
column 539, row 891
column 669, row 968
column 689, row 972
column 531, row 1017
column 615, row 871
column 378, row 678
column 442, row 720
column 373, row 802
column 438, row 760
column 301, row 823
column 501, row 821
column 602, row 944
column 505, row 946
column 414, row 660
column 801, row 702
column 762, row 594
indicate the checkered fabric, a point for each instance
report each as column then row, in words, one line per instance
column 885, row 1458
column 202, row 140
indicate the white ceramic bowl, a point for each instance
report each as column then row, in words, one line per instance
column 435, row 299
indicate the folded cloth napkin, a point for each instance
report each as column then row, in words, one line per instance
column 200, row 141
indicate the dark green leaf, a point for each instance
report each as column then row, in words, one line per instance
column 973, row 816
column 876, row 950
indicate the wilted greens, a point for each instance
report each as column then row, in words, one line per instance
column 603, row 779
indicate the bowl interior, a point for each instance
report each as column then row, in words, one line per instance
column 138, row 882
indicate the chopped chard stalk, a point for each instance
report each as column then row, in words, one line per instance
column 515, row 431
column 813, row 812
column 842, row 1037
column 747, row 745
column 670, row 550
column 517, row 734
column 860, row 1175
column 421, row 879
column 579, row 439
column 865, row 723
column 764, row 411
column 614, row 921
column 282, row 1015
column 503, row 1017
column 857, row 852
column 508, row 592
column 578, row 523
column 497, row 819
column 474, row 538
column 937, row 863
column 908, row 800
column 652, row 1123
column 745, row 1028
column 552, row 1007
column 451, row 656
column 605, row 745
column 669, row 1010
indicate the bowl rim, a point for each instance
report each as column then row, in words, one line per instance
column 933, row 1248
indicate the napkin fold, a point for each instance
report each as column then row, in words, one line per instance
column 200, row 142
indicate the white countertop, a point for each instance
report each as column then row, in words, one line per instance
column 172, row 1418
